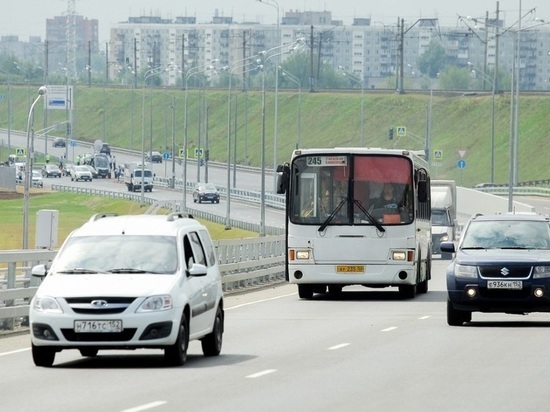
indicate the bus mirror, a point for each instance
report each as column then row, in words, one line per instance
column 283, row 176
column 422, row 191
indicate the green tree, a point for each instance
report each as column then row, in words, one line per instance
column 455, row 78
column 433, row 60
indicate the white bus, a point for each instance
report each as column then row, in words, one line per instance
column 344, row 225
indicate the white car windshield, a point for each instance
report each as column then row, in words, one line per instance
column 118, row 254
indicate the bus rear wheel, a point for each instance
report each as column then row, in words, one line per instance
column 305, row 291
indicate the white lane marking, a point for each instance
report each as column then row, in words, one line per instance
column 262, row 373
column 424, row 317
column 14, row 351
column 335, row 347
column 146, row 406
column 260, row 301
column 389, row 329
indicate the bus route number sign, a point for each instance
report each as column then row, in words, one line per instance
column 327, row 161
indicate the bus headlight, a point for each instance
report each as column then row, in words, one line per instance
column 302, row 255
column 399, row 255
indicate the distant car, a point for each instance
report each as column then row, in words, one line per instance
column 155, row 157
column 105, row 149
column 37, row 179
column 81, row 173
column 93, row 171
column 484, row 185
column 502, row 264
column 67, row 169
column 206, row 192
column 59, row 142
column 130, row 282
column 51, row 170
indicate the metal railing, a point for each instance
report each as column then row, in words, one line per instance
column 244, row 263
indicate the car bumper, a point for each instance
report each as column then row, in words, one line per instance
column 138, row 331
column 534, row 296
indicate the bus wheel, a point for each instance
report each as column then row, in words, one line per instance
column 407, row 291
column 335, row 291
column 423, row 285
column 305, row 291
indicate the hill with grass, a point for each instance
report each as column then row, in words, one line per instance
column 460, row 123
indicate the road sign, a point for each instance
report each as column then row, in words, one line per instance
column 461, row 153
column 461, row 164
column 166, row 155
column 20, row 152
column 438, row 154
column 73, row 143
column 401, row 131
column 59, row 97
column 198, row 153
column 182, row 153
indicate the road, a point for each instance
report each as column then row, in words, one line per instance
column 368, row 350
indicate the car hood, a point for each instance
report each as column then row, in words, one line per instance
column 502, row 256
column 61, row 285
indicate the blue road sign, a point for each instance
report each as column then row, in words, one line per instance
column 166, row 155
column 461, row 164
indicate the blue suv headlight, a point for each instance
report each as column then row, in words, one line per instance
column 463, row 271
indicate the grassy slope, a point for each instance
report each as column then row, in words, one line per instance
column 74, row 210
column 327, row 119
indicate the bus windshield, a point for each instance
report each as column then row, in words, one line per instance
column 351, row 189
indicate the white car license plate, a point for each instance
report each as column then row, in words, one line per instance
column 98, row 326
column 504, row 284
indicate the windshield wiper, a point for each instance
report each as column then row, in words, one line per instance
column 331, row 216
column 369, row 216
column 127, row 270
column 78, row 271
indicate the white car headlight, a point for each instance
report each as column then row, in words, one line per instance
column 46, row 304
column 462, row 271
column 541, row 272
column 156, row 303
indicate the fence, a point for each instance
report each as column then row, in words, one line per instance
column 244, row 263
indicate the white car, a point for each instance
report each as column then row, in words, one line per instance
column 37, row 179
column 127, row 282
column 81, row 173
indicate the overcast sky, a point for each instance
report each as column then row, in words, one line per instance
column 28, row 17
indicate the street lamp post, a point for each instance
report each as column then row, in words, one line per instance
column 493, row 92
column 360, row 82
column 192, row 71
column 30, row 135
column 299, row 84
column 275, row 4
column 236, row 65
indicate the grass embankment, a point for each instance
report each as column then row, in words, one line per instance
column 74, row 210
column 327, row 119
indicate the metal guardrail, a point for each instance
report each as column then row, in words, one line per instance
column 244, row 263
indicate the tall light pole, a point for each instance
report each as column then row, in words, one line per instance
column 28, row 164
column 493, row 92
column 291, row 47
column 9, row 109
column 360, row 82
column 275, row 4
column 192, row 71
column 239, row 64
column 299, row 84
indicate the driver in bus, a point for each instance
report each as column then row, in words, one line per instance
column 388, row 199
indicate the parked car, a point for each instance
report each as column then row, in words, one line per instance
column 155, row 157
column 51, row 170
column 81, row 173
column 128, row 282
column 206, row 192
column 502, row 264
column 93, row 171
column 68, row 168
column 58, row 142
column 37, row 179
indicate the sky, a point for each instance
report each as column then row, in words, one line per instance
column 26, row 18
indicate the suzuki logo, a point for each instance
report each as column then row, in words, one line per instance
column 99, row 303
column 504, row 271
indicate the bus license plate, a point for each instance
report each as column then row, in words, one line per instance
column 98, row 326
column 504, row 284
column 350, row 269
